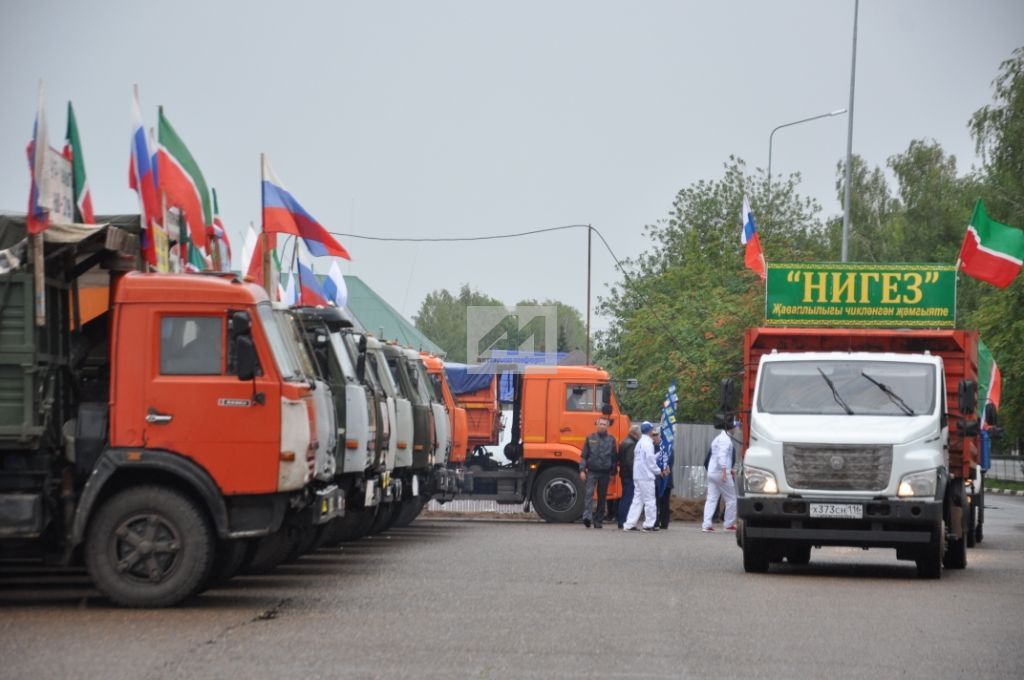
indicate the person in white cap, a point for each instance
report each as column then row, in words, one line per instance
column 720, row 480
column 645, row 470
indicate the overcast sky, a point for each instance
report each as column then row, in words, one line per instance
column 474, row 118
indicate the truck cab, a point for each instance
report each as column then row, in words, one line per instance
column 554, row 409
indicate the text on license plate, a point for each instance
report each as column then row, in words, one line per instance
column 837, row 510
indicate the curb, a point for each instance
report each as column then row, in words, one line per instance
column 1005, row 492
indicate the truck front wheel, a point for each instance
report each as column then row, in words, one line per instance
column 929, row 561
column 755, row 556
column 558, row 494
column 149, row 546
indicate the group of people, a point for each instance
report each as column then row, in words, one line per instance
column 644, row 466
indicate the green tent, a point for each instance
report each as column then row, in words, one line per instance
column 375, row 315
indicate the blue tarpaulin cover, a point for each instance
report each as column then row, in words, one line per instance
column 466, row 378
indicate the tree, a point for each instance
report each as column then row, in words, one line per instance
column 443, row 318
column 681, row 309
column 998, row 131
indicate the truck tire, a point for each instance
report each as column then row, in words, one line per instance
column 972, row 524
column 929, row 562
column 149, row 546
column 303, row 544
column 227, row 561
column 558, row 494
column 755, row 556
column 956, row 551
column 409, row 511
column 386, row 514
column 267, row 552
column 798, row 554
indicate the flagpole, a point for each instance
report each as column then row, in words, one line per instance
column 267, row 274
column 590, row 236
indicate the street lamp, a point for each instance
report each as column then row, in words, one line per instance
column 779, row 127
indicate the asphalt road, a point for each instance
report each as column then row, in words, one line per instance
column 517, row 599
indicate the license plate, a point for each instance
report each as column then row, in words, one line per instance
column 837, row 510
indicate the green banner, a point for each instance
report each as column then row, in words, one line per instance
column 859, row 294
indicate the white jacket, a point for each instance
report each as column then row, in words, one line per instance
column 645, row 461
column 721, row 454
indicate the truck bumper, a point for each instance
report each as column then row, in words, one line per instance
column 444, row 484
column 886, row 523
column 328, row 503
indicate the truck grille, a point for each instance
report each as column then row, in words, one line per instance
column 837, row 468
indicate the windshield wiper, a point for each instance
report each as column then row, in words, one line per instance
column 835, row 393
column 893, row 397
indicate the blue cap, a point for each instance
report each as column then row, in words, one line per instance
column 646, row 427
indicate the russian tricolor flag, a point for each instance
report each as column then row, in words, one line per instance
column 754, row 256
column 310, row 291
column 284, row 215
column 142, row 178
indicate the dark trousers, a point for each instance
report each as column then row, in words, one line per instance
column 626, row 500
column 665, row 508
column 600, row 481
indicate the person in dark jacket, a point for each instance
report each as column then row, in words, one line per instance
column 663, row 484
column 597, row 464
column 626, row 472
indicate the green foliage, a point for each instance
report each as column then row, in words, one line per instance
column 683, row 306
column 442, row 318
column 998, row 131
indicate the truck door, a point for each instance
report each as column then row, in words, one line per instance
column 195, row 404
column 580, row 411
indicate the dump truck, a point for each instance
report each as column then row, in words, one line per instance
column 858, row 437
column 554, row 408
column 148, row 441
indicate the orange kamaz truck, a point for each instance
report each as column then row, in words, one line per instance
column 553, row 409
column 150, row 441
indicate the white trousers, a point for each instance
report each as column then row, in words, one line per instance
column 643, row 499
column 727, row 490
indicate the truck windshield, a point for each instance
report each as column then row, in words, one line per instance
column 376, row 361
column 421, row 381
column 344, row 358
column 875, row 388
column 297, row 345
column 286, row 361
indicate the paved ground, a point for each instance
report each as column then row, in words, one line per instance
column 513, row 599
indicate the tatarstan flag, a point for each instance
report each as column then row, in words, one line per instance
column 79, row 182
column 990, row 379
column 991, row 251
column 182, row 182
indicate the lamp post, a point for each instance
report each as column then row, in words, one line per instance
column 849, row 139
column 771, row 139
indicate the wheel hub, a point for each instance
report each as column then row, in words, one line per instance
column 146, row 547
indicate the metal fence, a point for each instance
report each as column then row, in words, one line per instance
column 691, row 445
column 1010, row 468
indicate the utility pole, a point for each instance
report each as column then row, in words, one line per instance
column 590, row 236
column 849, row 140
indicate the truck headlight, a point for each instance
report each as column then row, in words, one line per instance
column 757, row 480
column 921, row 483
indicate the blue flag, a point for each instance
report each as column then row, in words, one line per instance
column 666, row 456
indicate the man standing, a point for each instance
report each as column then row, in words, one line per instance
column 626, row 472
column 597, row 464
column 720, row 480
column 645, row 469
column 663, row 483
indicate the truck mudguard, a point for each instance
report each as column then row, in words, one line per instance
column 115, row 460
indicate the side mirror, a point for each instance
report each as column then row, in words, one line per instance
column 728, row 396
column 967, row 397
column 245, row 357
column 723, row 421
column 991, row 415
column 240, row 324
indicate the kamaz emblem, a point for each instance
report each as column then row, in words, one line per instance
column 234, row 402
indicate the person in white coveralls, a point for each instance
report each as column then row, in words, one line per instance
column 645, row 470
column 720, row 480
